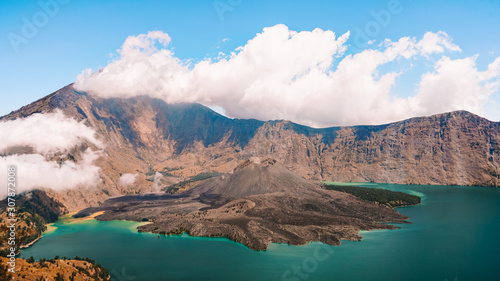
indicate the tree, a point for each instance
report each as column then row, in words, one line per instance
column 4, row 273
column 59, row 277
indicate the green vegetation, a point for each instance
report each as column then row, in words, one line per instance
column 99, row 272
column 151, row 172
column 4, row 272
column 34, row 210
column 172, row 169
column 71, row 157
column 59, row 277
column 381, row 196
column 199, row 177
column 40, row 204
column 167, row 171
column 204, row 176
column 166, row 174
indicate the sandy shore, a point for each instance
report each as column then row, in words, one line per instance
column 50, row 228
column 29, row 244
column 68, row 218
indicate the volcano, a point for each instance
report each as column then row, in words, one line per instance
column 257, row 203
column 254, row 177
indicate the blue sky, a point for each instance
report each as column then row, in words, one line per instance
column 83, row 34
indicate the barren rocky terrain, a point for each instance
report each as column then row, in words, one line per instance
column 257, row 203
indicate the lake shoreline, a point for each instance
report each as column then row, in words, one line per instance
column 445, row 222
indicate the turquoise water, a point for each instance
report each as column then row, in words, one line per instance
column 453, row 237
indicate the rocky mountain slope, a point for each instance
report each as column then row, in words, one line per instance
column 252, row 177
column 147, row 137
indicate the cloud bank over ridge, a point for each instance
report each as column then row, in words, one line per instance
column 46, row 133
column 50, row 137
column 307, row 77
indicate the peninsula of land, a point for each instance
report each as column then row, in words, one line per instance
column 258, row 203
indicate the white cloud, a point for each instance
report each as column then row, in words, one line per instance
column 35, row 171
column 45, row 133
column 457, row 84
column 142, row 69
column 127, row 179
column 283, row 74
column 436, row 43
column 48, row 134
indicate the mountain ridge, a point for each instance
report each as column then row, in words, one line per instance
column 31, row 108
column 144, row 134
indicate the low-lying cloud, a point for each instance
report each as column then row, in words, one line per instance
column 303, row 76
column 46, row 133
column 51, row 136
column 35, row 171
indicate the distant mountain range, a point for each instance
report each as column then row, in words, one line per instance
column 149, row 137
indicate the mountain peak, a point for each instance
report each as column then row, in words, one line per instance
column 255, row 161
column 255, row 176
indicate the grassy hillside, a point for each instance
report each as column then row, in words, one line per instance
column 33, row 210
column 56, row 269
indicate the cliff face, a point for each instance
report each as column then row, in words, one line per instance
column 456, row 148
column 144, row 135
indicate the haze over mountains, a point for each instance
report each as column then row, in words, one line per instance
column 143, row 144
